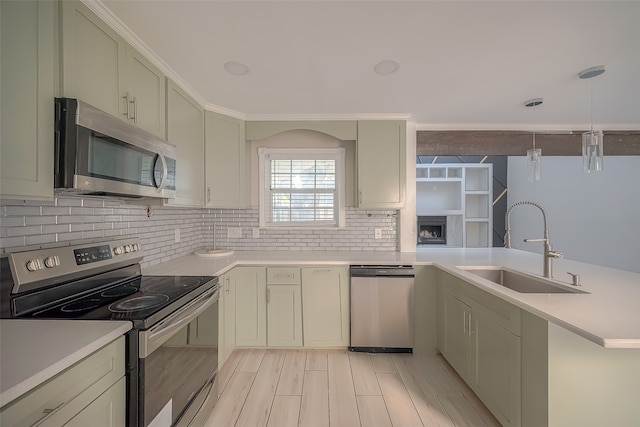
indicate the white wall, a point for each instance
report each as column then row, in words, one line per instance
column 593, row 218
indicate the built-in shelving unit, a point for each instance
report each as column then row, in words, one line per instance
column 462, row 193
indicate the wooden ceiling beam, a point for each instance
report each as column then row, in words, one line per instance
column 516, row 143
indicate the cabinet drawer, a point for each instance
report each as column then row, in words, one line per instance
column 70, row 391
column 283, row 276
column 502, row 312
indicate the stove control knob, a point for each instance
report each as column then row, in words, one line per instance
column 33, row 265
column 51, row 261
column 135, row 247
column 127, row 248
column 118, row 250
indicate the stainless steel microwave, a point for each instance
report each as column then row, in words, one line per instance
column 99, row 154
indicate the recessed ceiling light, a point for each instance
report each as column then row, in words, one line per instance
column 386, row 67
column 236, row 68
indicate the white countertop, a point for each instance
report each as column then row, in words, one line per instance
column 32, row 351
column 608, row 315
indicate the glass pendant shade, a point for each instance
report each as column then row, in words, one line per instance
column 534, row 156
column 592, row 154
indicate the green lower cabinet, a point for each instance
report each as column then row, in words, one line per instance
column 495, row 371
column 108, row 410
column 89, row 393
column 479, row 336
column 457, row 349
column 250, row 285
column 284, row 316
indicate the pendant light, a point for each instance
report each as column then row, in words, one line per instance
column 534, row 154
column 592, row 141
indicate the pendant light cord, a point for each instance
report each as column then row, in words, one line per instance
column 533, row 114
column 591, row 102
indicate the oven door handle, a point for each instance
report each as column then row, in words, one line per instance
column 153, row 338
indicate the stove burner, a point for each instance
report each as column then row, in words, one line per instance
column 139, row 303
column 84, row 305
column 119, row 292
column 171, row 284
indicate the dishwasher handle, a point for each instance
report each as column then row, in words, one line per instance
column 382, row 271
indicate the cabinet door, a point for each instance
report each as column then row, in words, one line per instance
column 325, row 301
column 381, row 164
column 93, row 57
column 457, row 347
column 145, row 90
column 226, row 160
column 227, row 317
column 185, row 129
column 108, row 410
column 284, row 316
column 27, row 34
column 495, row 369
column 251, row 305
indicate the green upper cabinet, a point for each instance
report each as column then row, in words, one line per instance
column 227, row 185
column 185, row 129
column 381, row 148
column 102, row 69
column 27, row 79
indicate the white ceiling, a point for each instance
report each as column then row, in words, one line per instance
column 463, row 65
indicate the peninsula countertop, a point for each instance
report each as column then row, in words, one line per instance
column 606, row 315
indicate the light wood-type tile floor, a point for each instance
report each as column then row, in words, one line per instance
column 322, row 388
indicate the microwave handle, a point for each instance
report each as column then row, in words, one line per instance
column 164, row 171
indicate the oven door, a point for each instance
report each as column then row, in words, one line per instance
column 178, row 365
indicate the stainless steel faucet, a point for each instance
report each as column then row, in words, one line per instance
column 549, row 254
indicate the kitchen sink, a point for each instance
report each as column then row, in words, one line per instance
column 521, row 282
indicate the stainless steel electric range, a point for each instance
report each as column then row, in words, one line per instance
column 172, row 350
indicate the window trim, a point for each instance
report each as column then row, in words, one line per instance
column 265, row 155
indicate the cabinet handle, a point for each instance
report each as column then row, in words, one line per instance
column 470, row 331
column 464, row 322
column 228, row 280
column 360, row 197
column 135, row 110
column 325, row 270
column 283, row 275
column 47, row 413
column 208, row 194
column 126, row 104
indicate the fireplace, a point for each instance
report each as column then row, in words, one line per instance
column 432, row 230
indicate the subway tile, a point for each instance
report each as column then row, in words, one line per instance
column 39, row 220
column 58, row 228
column 70, row 237
column 55, row 210
column 81, row 227
column 24, row 231
column 40, row 239
column 12, row 242
column 68, row 201
column 23, row 210
column 81, row 211
column 92, row 234
column 13, row 221
column 93, row 203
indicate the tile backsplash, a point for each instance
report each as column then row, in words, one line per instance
column 71, row 220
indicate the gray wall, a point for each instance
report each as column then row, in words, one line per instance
column 593, row 218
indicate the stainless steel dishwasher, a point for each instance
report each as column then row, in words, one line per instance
column 382, row 317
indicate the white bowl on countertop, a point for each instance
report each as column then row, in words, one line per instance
column 214, row 253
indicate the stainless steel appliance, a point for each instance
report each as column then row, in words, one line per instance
column 172, row 350
column 97, row 153
column 382, row 313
